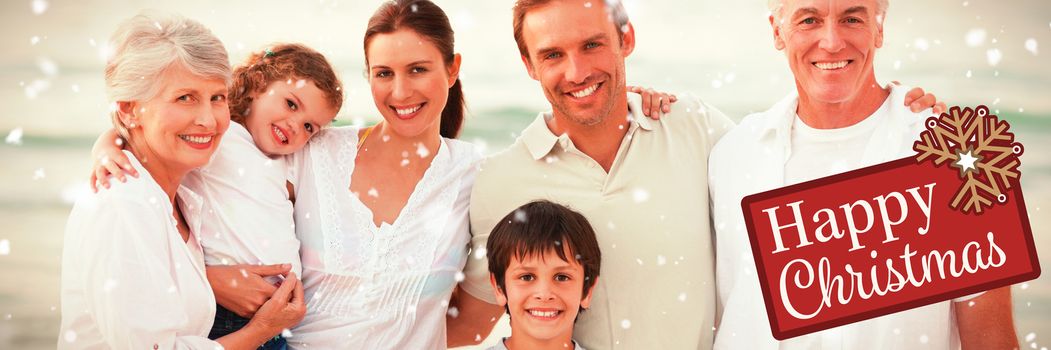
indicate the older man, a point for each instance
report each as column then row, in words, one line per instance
column 840, row 118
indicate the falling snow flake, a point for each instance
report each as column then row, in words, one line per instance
column 921, row 44
column 14, row 137
column 34, row 88
column 480, row 253
column 38, row 6
column 47, row 66
column 975, row 37
column 993, row 56
column 109, row 285
column 422, row 151
column 520, row 216
column 640, row 195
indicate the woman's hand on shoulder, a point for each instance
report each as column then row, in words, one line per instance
column 918, row 100
column 109, row 160
column 654, row 103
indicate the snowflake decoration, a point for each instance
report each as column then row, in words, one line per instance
column 980, row 147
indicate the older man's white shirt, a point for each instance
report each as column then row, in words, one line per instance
column 770, row 150
column 129, row 281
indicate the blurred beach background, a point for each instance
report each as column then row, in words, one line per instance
column 966, row 52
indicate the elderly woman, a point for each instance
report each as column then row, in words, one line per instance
column 132, row 268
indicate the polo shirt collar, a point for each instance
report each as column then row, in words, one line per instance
column 777, row 127
column 539, row 139
column 635, row 111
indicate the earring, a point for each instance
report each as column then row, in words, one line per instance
column 131, row 125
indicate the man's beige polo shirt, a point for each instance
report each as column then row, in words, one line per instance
column 650, row 213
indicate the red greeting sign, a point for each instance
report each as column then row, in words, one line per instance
column 947, row 223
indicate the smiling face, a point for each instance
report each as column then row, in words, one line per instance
column 830, row 45
column 410, row 81
column 179, row 128
column 286, row 115
column 543, row 295
column 576, row 54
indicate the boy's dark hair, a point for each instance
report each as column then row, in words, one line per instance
column 539, row 227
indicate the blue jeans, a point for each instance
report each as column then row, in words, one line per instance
column 227, row 322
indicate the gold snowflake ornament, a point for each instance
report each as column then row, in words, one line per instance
column 979, row 146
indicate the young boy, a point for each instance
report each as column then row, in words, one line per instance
column 543, row 262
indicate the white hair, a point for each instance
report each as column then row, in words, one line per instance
column 147, row 44
column 776, row 6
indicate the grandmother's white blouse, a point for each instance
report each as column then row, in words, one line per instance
column 129, row 281
column 384, row 287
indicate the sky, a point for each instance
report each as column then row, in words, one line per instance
column 966, row 52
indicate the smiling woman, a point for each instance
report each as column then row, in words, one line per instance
column 132, row 269
column 382, row 212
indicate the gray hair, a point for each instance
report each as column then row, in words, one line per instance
column 147, row 44
column 776, row 6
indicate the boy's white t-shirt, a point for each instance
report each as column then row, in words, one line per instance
column 249, row 217
column 500, row 346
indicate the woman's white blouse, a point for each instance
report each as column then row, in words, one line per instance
column 384, row 287
column 129, row 281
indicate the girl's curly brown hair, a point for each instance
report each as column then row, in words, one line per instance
column 281, row 62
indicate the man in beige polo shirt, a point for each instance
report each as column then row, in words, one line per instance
column 640, row 182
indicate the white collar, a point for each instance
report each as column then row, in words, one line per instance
column 777, row 125
column 539, row 139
